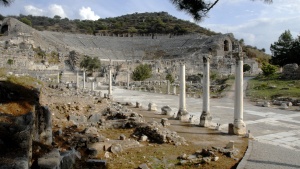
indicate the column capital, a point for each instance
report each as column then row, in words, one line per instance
column 181, row 63
column 239, row 56
column 206, row 58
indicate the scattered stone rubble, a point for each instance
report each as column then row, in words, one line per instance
column 157, row 133
column 208, row 155
column 281, row 102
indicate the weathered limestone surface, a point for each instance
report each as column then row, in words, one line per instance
column 50, row 160
column 44, row 125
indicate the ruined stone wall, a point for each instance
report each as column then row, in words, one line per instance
column 19, row 128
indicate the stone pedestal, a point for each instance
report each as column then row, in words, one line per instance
column 239, row 125
column 205, row 118
column 182, row 113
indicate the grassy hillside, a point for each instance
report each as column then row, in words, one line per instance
column 137, row 23
column 259, row 54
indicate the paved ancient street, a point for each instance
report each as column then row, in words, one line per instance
column 268, row 125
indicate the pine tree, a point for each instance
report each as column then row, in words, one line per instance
column 281, row 50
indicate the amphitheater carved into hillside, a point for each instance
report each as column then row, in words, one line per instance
column 162, row 52
column 25, row 49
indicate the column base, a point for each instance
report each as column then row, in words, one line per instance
column 239, row 128
column 109, row 96
column 205, row 119
column 183, row 116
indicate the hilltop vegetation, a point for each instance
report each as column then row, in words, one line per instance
column 258, row 54
column 137, row 23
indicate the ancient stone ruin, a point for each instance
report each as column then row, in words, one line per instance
column 21, row 45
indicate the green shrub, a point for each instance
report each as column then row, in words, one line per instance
column 268, row 69
column 142, row 72
column 170, row 78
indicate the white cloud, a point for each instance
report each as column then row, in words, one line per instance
column 261, row 32
column 32, row 10
column 55, row 9
column 86, row 13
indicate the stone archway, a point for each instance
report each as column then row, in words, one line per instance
column 4, row 29
column 226, row 45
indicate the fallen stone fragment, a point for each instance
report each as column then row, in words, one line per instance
column 50, row 160
column 206, row 160
column 68, row 159
column 215, row 158
column 152, row 107
column 138, row 105
column 116, row 148
column 230, row 145
column 143, row 166
column 164, row 122
column 100, row 164
column 143, row 138
column 166, row 110
column 284, row 106
column 122, row 137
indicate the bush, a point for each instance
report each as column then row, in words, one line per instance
column 170, row 78
column 90, row 64
column 246, row 67
column 142, row 72
column 268, row 69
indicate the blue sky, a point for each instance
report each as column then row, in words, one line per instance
column 258, row 23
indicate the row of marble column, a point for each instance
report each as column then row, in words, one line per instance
column 93, row 84
column 205, row 118
column 239, row 127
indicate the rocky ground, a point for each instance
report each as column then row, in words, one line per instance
column 90, row 131
column 120, row 135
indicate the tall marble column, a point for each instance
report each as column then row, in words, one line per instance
column 205, row 118
column 92, row 86
column 182, row 114
column 83, row 79
column 77, row 80
column 128, row 79
column 58, row 77
column 109, row 81
column 174, row 89
column 168, row 87
column 239, row 125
